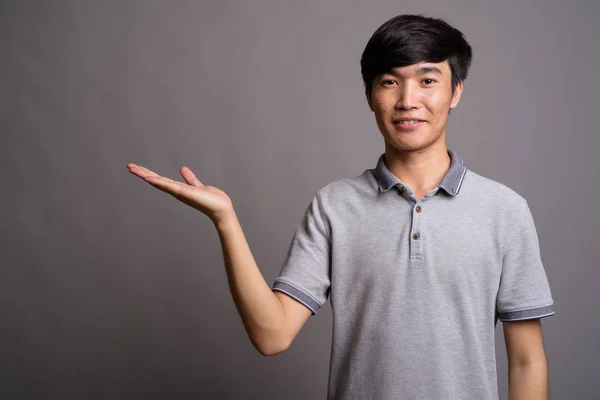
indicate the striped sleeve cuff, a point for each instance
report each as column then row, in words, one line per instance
column 303, row 298
column 531, row 313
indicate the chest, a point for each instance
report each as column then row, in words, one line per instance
column 435, row 250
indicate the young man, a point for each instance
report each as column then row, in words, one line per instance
column 419, row 256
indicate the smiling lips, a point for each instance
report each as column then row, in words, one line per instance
column 405, row 124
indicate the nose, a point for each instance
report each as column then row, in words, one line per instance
column 407, row 97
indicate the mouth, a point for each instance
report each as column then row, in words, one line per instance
column 405, row 125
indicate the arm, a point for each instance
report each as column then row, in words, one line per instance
column 272, row 320
column 527, row 364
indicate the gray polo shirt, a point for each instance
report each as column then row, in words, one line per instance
column 416, row 287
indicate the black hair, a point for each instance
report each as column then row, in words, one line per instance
column 409, row 39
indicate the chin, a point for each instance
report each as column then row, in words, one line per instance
column 410, row 145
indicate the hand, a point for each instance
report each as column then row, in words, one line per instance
column 207, row 199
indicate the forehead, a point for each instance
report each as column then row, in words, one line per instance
column 441, row 68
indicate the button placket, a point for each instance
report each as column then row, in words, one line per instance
column 416, row 241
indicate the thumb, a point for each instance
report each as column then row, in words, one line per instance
column 190, row 177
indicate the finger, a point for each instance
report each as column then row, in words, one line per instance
column 166, row 180
column 167, row 185
column 190, row 177
column 140, row 171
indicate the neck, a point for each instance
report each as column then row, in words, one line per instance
column 421, row 170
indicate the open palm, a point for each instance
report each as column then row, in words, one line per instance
column 209, row 200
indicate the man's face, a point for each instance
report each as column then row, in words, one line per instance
column 421, row 92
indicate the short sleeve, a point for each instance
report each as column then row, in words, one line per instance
column 524, row 292
column 305, row 274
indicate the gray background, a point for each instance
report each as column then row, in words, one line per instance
column 113, row 289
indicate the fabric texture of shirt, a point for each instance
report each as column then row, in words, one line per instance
column 416, row 287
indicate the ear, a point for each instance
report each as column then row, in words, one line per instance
column 369, row 100
column 457, row 93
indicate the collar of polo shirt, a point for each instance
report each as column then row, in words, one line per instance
column 451, row 182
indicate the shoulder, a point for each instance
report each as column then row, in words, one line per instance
column 498, row 205
column 348, row 190
column 489, row 191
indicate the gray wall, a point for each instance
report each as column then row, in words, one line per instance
column 110, row 288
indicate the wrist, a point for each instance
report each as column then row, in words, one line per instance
column 225, row 220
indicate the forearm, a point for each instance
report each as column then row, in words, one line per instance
column 261, row 311
column 528, row 381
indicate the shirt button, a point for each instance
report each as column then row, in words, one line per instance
column 415, row 236
column 402, row 189
column 419, row 209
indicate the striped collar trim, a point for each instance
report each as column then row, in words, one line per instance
column 451, row 182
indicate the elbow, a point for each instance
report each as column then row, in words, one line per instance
column 270, row 348
column 270, row 352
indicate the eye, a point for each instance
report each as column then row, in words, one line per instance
column 387, row 82
column 428, row 81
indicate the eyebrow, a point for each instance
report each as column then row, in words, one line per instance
column 421, row 70
column 428, row 69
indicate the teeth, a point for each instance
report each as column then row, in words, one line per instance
column 408, row 122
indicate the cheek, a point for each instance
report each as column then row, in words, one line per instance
column 439, row 104
column 381, row 106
